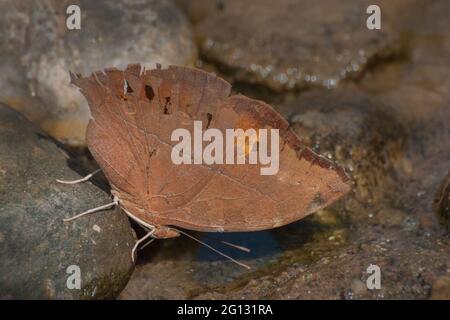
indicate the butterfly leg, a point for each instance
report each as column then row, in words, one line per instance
column 115, row 202
column 86, row 178
column 156, row 233
column 136, row 245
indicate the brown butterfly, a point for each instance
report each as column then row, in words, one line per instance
column 134, row 113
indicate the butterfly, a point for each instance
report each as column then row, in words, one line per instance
column 134, row 114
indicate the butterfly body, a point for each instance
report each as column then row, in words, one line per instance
column 134, row 114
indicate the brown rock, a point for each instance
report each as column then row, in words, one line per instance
column 293, row 44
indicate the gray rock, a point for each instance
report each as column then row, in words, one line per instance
column 41, row 51
column 293, row 44
column 36, row 246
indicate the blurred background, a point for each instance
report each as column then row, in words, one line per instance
column 376, row 101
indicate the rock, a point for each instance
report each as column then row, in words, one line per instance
column 442, row 203
column 417, row 91
column 42, row 51
column 353, row 128
column 390, row 217
column 441, row 288
column 294, row 44
column 358, row 288
column 36, row 246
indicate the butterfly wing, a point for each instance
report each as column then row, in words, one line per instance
column 134, row 114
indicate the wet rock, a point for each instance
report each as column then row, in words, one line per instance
column 389, row 217
column 417, row 92
column 42, row 51
column 36, row 246
column 407, row 271
column 353, row 128
column 293, row 45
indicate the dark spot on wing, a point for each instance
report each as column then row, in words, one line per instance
column 208, row 119
column 149, row 92
column 166, row 106
column 129, row 89
column 318, row 202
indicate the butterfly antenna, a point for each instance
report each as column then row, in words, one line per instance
column 86, row 178
column 213, row 249
column 242, row 248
